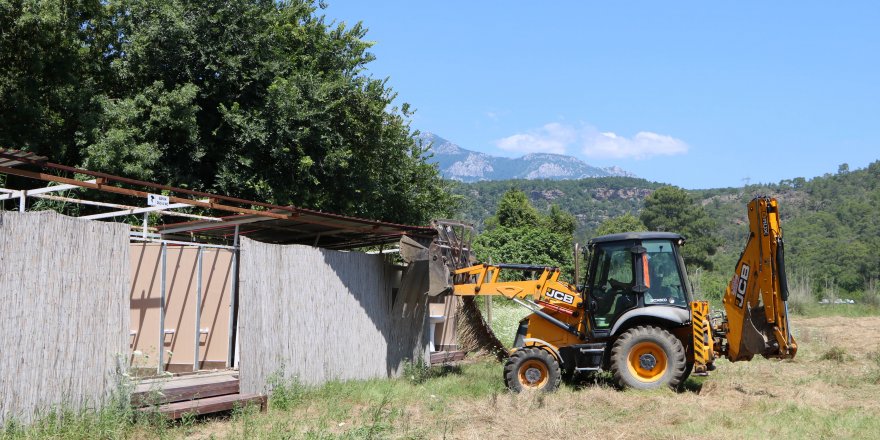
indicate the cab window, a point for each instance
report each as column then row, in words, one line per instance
column 611, row 286
column 662, row 278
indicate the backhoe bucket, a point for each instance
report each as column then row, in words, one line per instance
column 756, row 300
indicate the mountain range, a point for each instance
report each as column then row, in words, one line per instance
column 457, row 163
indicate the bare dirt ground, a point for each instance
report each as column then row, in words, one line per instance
column 830, row 390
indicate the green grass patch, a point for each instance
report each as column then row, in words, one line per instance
column 845, row 310
column 836, row 354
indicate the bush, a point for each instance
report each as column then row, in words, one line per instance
column 836, row 354
column 416, row 372
column 284, row 393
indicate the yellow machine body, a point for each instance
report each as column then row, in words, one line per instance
column 635, row 313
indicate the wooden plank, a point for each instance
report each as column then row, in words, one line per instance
column 445, row 357
column 209, row 405
column 186, row 391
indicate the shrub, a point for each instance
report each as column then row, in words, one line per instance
column 836, row 354
column 416, row 372
column 284, row 393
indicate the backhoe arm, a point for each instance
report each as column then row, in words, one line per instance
column 756, row 298
column 482, row 280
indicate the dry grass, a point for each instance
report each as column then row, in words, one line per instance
column 807, row 397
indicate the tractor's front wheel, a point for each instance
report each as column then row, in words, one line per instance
column 647, row 357
column 532, row 369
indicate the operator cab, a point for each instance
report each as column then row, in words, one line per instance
column 633, row 270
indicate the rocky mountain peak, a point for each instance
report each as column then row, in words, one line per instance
column 457, row 163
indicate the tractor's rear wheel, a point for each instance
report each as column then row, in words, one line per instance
column 647, row 357
column 532, row 369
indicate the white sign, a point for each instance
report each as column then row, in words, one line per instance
column 157, row 200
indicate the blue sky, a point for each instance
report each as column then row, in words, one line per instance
column 697, row 94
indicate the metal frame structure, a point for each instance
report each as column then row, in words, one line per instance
column 263, row 221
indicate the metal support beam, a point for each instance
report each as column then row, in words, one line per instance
column 233, row 302
column 198, row 310
column 134, row 211
column 161, row 367
column 118, row 206
column 136, row 193
column 138, row 237
column 199, row 226
column 32, row 192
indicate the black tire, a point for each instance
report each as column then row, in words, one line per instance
column 647, row 358
column 532, row 369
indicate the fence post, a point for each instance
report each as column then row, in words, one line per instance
column 161, row 367
column 198, row 309
column 233, row 302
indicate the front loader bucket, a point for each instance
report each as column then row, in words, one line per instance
column 439, row 274
column 448, row 251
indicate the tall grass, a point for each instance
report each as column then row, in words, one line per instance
column 506, row 315
column 871, row 296
column 115, row 420
column 800, row 293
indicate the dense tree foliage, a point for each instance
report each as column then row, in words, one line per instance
column 623, row 223
column 520, row 234
column 253, row 98
column 672, row 209
column 831, row 225
column 590, row 201
column 515, row 211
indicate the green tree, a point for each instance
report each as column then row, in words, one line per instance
column 672, row 209
column 520, row 234
column 49, row 71
column 515, row 211
column 526, row 245
column 257, row 99
column 561, row 221
column 623, row 223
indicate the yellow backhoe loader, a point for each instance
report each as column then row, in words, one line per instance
column 634, row 313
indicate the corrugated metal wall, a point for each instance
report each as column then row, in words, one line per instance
column 320, row 315
column 64, row 317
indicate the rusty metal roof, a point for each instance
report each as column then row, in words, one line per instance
column 261, row 221
column 12, row 158
column 303, row 226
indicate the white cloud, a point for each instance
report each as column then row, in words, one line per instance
column 559, row 138
column 551, row 138
column 643, row 145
